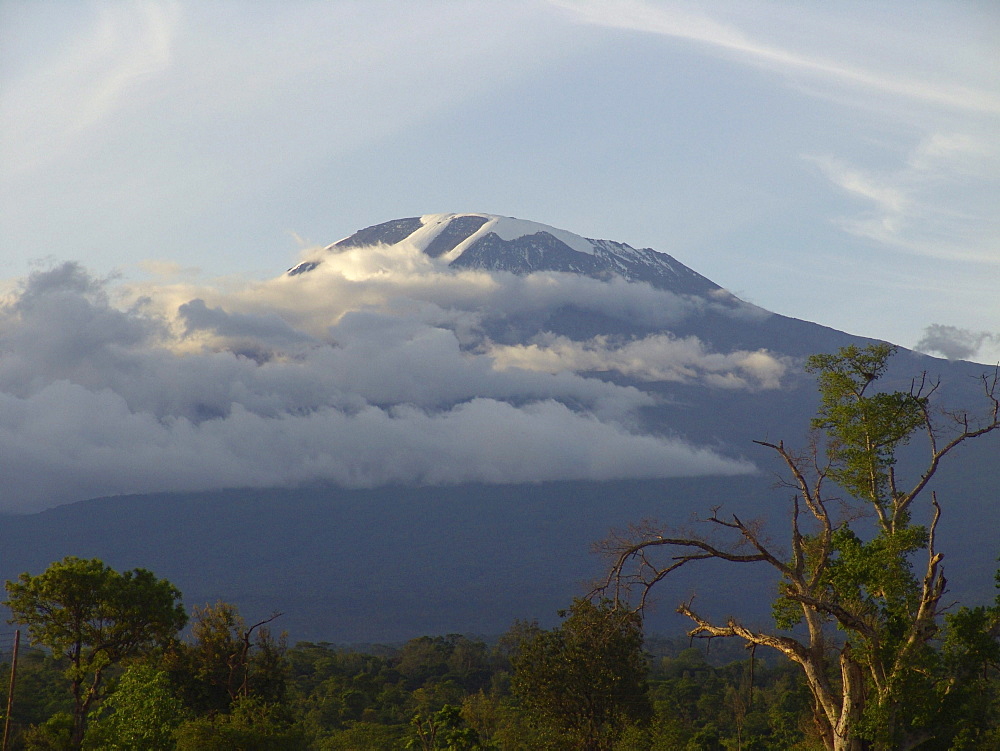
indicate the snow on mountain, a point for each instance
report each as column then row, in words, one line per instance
column 499, row 243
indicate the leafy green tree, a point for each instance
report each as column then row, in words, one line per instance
column 971, row 652
column 94, row 617
column 40, row 692
column 443, row 730
column 881, row 683
column 364, row 736
column 52, row 735
column 251, row 725
column 227, row 659
column 586, row 680
column 747, row 703
column 141, row 713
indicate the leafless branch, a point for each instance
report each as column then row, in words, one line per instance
column 968, row 430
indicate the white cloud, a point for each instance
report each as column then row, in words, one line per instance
column 406, row 282
column 957, row 343
column 659, row 357
column 938, row 203
column 891, row 77
column 888, row 199
column 108, row 388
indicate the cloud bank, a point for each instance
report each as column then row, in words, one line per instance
column 955, row 343
column 375, row 371
column 659, row 357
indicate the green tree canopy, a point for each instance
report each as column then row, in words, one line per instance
column 227, row 659
column 94, row 616
column 251, row 725
column 140, row 715
column 584, row 681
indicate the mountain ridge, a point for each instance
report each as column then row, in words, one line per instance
column 496, row 243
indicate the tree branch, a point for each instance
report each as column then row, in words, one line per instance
column 969, row 431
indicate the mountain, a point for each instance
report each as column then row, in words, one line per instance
column 438, row 451
column 489, row 242
column 496, row 243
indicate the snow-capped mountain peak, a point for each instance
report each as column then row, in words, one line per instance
column 500, row 243
column 506, row 228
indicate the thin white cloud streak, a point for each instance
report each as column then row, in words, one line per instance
column 659, row 357
column 161, row 391
column 671, row 19
column 934, row 84
column 938, row 203
column 46, row 112
column 280, row 85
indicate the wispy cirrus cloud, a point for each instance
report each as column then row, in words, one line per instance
column 928, row 85
column 937, row 203
column 45, row 111
column 694, row 23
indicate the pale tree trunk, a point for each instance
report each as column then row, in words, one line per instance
column 836, row 716
column 852, row 704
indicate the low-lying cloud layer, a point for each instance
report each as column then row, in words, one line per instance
column 371, row 370
column 659, row 357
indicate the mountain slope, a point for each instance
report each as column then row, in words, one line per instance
column 431, row 422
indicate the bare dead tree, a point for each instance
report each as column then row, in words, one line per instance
column 829, row 577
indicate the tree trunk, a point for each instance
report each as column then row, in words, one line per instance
column 79, row 715
column 852, row 705
column 79, row 729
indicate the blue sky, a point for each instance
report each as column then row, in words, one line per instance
column 837, row 162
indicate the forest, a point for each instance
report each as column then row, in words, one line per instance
column 440, row 692
column 446, row 692
column 864, row 652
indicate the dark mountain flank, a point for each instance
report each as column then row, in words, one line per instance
column 386, row 563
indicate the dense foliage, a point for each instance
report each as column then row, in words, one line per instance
column 583, row 683
column 453, row 692
column 432, row 692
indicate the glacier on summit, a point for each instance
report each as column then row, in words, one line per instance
column 499, row 243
